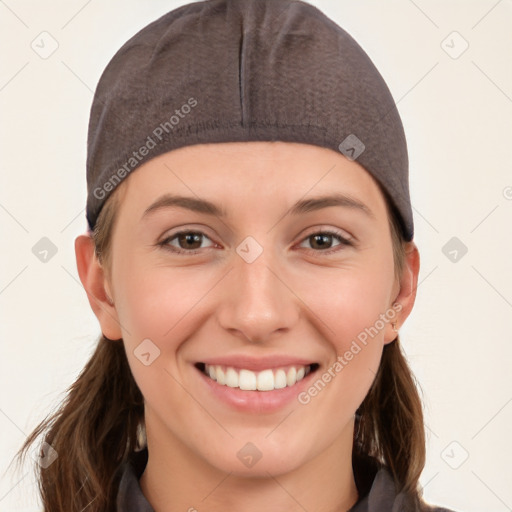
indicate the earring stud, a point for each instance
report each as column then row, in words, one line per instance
column 395, row 328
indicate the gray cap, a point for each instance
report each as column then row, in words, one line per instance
column 244, row 70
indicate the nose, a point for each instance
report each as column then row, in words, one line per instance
column 257, row 302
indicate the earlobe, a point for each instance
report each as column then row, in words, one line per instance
column 94, row 281
column 406, row 297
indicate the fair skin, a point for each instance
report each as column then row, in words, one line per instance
column 293, row 299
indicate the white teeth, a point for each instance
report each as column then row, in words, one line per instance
column 231, row 378
column 221, row 377
column 247, row 380
column 280, row 379
column 266, row 380
column 291, row 377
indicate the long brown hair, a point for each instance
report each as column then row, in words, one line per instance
column 389, row 423
column 99, row 423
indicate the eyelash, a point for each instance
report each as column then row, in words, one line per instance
column 343, row 242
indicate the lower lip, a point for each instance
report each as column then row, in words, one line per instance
column 256, row 401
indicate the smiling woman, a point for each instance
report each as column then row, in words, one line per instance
column 261, row 253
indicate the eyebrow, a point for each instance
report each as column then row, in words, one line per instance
column 300, row 207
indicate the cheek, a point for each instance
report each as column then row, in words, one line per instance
column 164, row 306
column 156, row 309
column 348, row 302
column 349, row 306
column 155, row 301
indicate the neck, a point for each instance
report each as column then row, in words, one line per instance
column 177, row 479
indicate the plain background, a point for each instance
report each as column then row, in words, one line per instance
column 457, row 114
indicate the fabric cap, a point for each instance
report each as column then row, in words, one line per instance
column 244, row 70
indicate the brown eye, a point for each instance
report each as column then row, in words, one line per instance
column 188, row 242
column 323, row 241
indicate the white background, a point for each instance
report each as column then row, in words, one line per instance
column 457, row 114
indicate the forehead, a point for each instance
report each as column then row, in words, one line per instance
column 255, row 171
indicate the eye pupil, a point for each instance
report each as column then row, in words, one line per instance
column 319, row 240
column 190, row 238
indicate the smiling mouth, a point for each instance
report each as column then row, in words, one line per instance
column 265, row 380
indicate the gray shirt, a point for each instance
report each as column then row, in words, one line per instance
column 375, row 486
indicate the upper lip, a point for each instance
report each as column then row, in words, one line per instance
column 257, row 363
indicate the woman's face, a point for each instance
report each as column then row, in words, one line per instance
column 273, row 278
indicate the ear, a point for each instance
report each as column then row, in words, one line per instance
column 96, row 286
column 406, row 297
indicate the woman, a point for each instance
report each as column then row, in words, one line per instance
column 250, row 278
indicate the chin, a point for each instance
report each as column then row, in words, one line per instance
column 257, row 458
column 269, row 464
